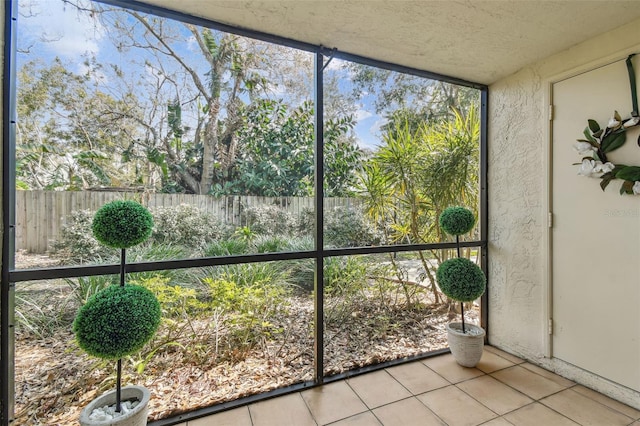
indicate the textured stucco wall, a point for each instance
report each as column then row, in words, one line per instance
column 518, row 193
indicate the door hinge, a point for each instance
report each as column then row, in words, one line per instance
column 551, row 111
column 550, row 326
column 550, row 219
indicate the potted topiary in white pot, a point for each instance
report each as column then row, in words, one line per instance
column 463, row 281
column 120, row 319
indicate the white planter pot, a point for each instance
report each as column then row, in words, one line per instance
column 136, row 417
column 466, row 347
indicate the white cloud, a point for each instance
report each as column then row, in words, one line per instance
column 375, row 127
column 362, row 114
column 60, row 28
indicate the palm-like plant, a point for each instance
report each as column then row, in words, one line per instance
column 417, row 173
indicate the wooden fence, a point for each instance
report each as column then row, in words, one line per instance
column 40, row 215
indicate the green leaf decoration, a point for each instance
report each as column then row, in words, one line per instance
column 629, row 173
column 606, row 180
column 587, row 134
column 607, row 139
column 613, row 141
column 626, row 188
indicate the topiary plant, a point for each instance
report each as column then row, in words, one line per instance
column 122, row 224
column 117, row 321
column 457, row 220
column 459, row 278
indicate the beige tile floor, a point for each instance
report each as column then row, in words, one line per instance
column 501, row 391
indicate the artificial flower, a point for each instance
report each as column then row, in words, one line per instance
column 636, row 188
column 613, row 123
column 583, row 148
column 603, row 168
column 632, row 122
column 586, row 168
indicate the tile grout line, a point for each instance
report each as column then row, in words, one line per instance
column 308, row 409
column 537, row 401
column 590, row 399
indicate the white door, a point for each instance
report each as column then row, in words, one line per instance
column 595, row 235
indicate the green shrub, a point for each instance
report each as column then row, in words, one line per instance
column 122, row 224
column 343, row 227
column 349, row 227
column 85, row 287
column 76, row 243
column 117, row 321
column 251, row 274
column 269, row 220
column 344, row 275
column 175, row 300
column 248, row 313
column 306, row 222
column 461, row 279
column 271, row 244
column 185, row 225
column 457, row 220
column 228, row 247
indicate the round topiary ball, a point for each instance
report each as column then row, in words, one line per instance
column 457, row 220
column 461, row 279
column 117, row 321
column 122, row 224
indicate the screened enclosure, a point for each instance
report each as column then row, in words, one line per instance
column 295, row 192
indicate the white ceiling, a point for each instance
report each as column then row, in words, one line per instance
column 475, row 40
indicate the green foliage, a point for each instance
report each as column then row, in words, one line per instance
column 85, row 287
column 344, row 275
column 250, row 274
column 461, row 279
column 228, row 247
column 630, row 173
column 269, row 220
column 178, row 231
column 412, row 95
column 73, row 148
column 349, row 227
column 117, row 321
column 600, row 142
column 419, row 171
column 122, row 224
column 76, row 243
column 277, row 158
column 245, row 233
column 271, row 244
column 185, row 225
column 249, row 311
column 175, row 300
column 457, row 220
